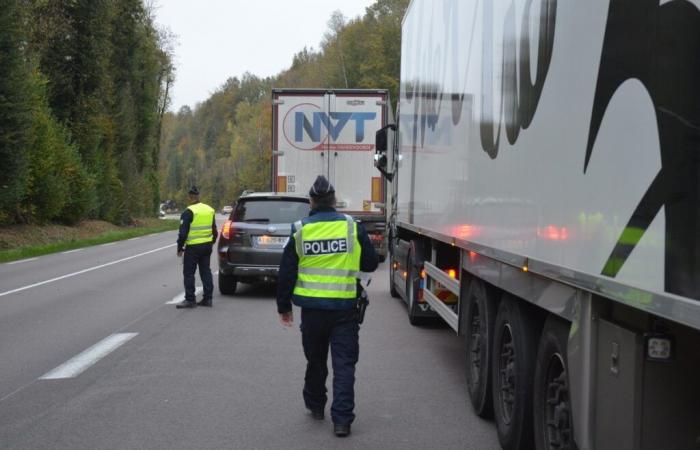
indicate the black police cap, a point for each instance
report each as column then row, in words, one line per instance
column 193, row 191
column 321, row 187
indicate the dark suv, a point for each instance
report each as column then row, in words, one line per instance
column 253, row 237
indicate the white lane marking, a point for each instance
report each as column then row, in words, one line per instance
column 181, row 296
column 133, row 239
column 108, row 244
column 24, row 288
column 82, row 361
column 22, row 261
column 73, row 251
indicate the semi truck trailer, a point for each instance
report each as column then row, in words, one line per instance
column 544, row 202
column 331, row 133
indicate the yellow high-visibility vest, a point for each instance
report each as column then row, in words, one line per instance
column 329, row 259
column 200, row 228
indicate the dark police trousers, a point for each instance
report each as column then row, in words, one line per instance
column 319, row 328
column 197, row 255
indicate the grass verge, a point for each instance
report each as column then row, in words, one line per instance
column 70, row 241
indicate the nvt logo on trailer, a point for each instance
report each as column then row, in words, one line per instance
column 307, row 127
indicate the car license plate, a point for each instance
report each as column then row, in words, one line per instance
column 271, row 241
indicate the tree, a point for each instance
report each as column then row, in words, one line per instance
column 15, row 110
column 83, row 93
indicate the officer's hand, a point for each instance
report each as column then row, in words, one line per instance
column 179, row 253
column 287, row 319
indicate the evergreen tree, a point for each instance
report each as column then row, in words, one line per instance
column 15, row 110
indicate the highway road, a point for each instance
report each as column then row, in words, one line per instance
column 94, row 355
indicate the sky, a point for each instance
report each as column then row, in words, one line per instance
column 219, row 39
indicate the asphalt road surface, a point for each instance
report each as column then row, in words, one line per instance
column 94, row 355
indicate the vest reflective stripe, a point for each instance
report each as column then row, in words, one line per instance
column 327, row 286
column 297, row 236
column 331, row 264
column 332, row 272
column 351, row 233
column 200, row 228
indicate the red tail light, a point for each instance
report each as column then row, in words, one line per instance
column 376, row 237
column 226, row 230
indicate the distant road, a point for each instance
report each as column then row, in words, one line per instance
column 93, row 356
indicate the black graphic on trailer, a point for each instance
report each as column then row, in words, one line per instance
column 520, row 94
column 659, row 45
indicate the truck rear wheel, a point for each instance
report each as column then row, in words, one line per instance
column 392, row 287
column 514, row 353
column 481, row 315
column 415, row 262
column 227, row 284
column 552, row 407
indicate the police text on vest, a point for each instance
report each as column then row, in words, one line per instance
column 325, row 247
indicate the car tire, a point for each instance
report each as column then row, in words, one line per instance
column 552, row 404
column 513, row 370
column 481, row 316
column 227, row 284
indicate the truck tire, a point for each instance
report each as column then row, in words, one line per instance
column 513, row 360
column 392, row 287
column 415, row 262
column 481, row 315
column 552, row 406
column 227, row 284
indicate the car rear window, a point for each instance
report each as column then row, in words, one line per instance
column 270, row 211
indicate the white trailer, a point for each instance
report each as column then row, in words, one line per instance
column 545, row 202
column 331, row 132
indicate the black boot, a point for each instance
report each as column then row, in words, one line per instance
column 341, row 430
column 186, row 304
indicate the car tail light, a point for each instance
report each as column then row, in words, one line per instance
column 376, row 237
column 226, row 230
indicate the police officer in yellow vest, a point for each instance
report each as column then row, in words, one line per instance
column 195, row 240
column 319, row 272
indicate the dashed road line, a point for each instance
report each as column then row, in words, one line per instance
column 82, row 361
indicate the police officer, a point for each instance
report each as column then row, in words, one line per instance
column 195, row 240
column 318, row 272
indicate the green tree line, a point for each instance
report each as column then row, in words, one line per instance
column 223, row 145
column 83, row 89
